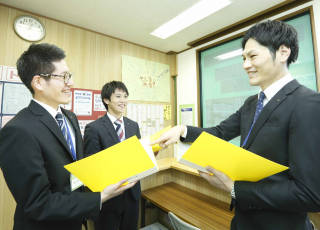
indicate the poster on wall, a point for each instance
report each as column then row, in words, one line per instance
column 1, row 72
column 1, row 90
column 82, row 124
column 11, row 74
column 97, row 103
column 5, row 119
column 150, row 117
column 186, row 113
column 82, row 102
column 146, row 80
column 15, row 97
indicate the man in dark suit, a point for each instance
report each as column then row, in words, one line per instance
column 34, row 149
column 121, row 212
column 282, row 124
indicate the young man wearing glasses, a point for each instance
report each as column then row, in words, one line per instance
column 37, row 143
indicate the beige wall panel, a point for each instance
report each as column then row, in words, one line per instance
column 198, row 184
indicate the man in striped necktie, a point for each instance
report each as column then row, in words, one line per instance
column 122, row 212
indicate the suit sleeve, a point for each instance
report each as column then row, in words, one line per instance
column 298, row 190
column 91, row 138
column 227, row 129
column 24, row 170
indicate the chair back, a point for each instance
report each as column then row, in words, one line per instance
column 178, row 224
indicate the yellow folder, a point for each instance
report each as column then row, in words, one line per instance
column 156, row 147
column 236, row 162
column 128, row 159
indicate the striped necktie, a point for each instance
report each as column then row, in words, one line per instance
column 119, row 129
column 66, row 133
column 259, row 108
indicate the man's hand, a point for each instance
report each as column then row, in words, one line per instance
column 115, row 190
column 170, row 137
column 218, row 179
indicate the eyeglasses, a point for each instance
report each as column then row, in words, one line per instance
column 66, row 76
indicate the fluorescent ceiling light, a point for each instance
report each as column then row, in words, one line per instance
column 190, row 16
column 230, row 54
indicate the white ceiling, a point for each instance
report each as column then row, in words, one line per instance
column 134, row 20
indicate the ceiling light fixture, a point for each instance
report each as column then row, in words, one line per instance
column 230, row 54
column 190, row 16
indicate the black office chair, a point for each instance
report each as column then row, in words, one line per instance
column 178, row 224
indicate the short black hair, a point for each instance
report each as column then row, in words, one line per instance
column 109, row 88
column 273, row 34
column 38, row 60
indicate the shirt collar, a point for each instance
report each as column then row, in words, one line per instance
column 275, row 87
column 113, row 118
column 50, row 110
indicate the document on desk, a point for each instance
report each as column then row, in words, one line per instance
column 131, row 158
column 234, row 161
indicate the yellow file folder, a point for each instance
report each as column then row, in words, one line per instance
column 156, row 147
column 236, row 162
column 130, row 158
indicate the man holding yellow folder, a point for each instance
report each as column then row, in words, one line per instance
column 282, row 124
column 121, row 212
column 37, row 143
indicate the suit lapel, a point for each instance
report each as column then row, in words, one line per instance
column 129, row 131
column 269, row 108
column 110, row 128
column 50, row 122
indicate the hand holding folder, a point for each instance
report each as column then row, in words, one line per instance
column 130, row 159
column 235, row 162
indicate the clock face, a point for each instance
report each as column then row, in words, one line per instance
column 29, row 28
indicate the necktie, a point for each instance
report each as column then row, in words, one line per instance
column 119, row 129
column 66, row 133
column 259, row 108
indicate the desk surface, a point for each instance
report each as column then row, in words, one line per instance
column 191, row 206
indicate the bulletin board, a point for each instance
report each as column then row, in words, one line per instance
column 14, row 96
column 87, row 105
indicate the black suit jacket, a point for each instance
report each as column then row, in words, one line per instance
column 33, row 153
column 287, row 132
column 100, row 134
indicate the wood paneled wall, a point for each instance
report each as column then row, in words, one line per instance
column 93, row 58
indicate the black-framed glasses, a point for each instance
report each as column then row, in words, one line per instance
column 66, row 76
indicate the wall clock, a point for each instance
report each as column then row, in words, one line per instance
column 29, row 28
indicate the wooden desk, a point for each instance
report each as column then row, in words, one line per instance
column 193, row 207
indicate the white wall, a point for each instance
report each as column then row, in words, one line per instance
column 187, row 66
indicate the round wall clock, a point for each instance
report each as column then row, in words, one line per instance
column 29, row 28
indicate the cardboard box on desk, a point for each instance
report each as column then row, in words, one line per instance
column 234, row 161
column 131, row 158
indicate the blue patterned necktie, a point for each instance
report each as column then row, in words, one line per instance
column 66, row 133
column 119, row 130
column 259, row 108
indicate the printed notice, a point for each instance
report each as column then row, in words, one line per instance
column 1, row 87
column 82, row 105
column 97, row 103
column 187, row 115
column 82, row 124
column 11, row 74
column 15, row 97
